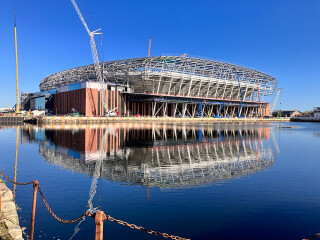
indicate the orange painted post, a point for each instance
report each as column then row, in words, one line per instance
column 33, row 213
column 99, row 218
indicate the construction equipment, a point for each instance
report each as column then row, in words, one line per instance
column 74, row 113
column 275, row 100
column 96, row 62
column 258, row 92
column 240, row 108
column 112, row 113
column 93, row 48
column 149, row 49
column 16, row 50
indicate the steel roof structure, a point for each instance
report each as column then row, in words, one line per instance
column 173, row 76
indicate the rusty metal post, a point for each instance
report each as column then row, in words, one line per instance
column 33, row 213
column 99, row 218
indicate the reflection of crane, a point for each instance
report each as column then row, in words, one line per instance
column 93, row 187
column 93, row 46
column 275, row 142
column 275, row 100
column 15, row 164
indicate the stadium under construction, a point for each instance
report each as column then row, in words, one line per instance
column 173, row 86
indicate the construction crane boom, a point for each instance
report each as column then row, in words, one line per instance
column 275, row 100
column 94, row 51
column 16, row 50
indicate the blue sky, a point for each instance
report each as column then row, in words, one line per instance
column 280, row 38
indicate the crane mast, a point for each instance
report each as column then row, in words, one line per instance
column 16, row 50
column 94, row 51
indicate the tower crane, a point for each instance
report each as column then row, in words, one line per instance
column 275, row 100
column 16, row 50
column 96, row 62
column 94, row 51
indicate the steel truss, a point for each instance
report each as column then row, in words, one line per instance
column 192, row 107
column 174, row 76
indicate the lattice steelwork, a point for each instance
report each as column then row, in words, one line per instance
column 174, row 76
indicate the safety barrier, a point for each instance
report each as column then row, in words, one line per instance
column 99, row 216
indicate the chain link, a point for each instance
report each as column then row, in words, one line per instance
column 14, row 182
column 133, row 226
column 54, row 215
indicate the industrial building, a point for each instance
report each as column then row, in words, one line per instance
column 174, row 86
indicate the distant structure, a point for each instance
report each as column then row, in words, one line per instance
column 312, row 116
column 286, row 113
column 176, row 86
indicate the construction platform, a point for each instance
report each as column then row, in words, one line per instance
column 11, row 120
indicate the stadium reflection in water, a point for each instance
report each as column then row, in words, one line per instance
column 153, row 155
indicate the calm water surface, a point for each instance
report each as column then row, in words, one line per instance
column 239, row 181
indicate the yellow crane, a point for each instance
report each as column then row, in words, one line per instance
column 16, row 50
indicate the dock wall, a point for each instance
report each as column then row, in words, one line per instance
column 305, row 119
column 94, row 120
column 9, row 221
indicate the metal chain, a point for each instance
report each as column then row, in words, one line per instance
column 312, row 237
column 133, row 226
column 55, row 216
column 91, row 214
column 14, row 182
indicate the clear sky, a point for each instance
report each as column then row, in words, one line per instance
column 278, row 37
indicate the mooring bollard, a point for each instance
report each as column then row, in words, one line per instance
column 99, row 218
column 33, row 213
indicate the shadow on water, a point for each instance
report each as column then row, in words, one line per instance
column 153, row 155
